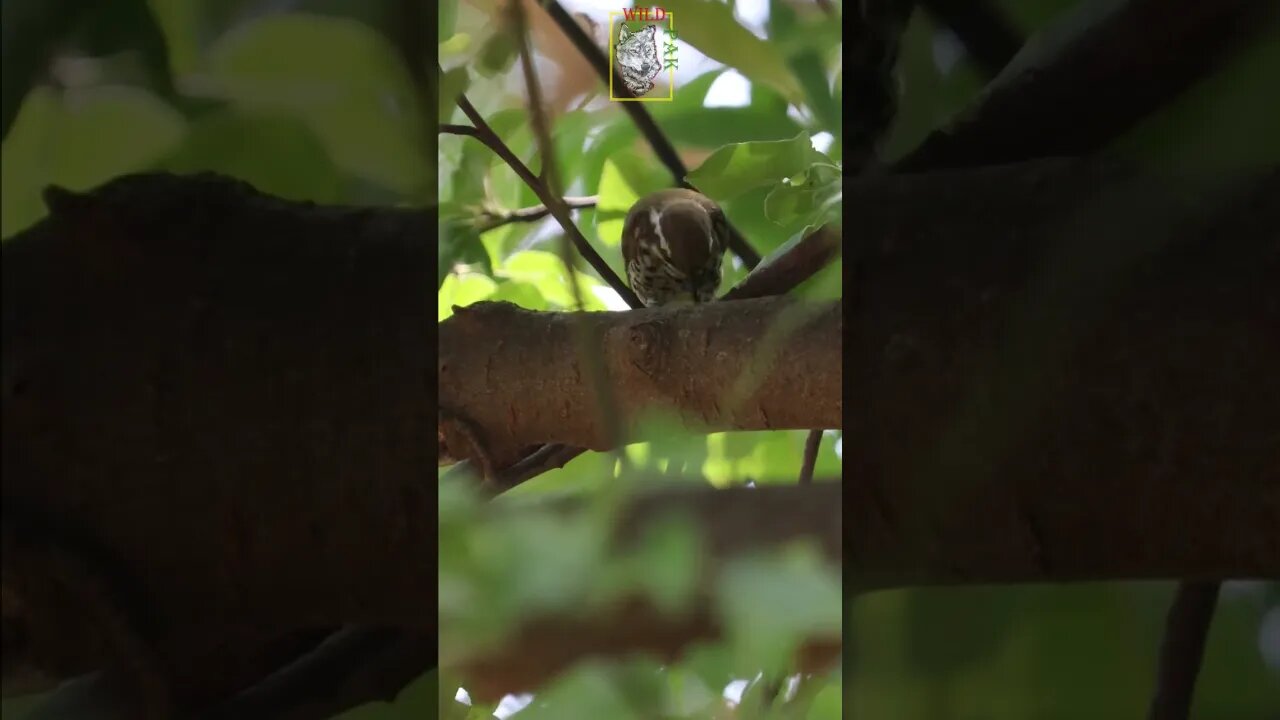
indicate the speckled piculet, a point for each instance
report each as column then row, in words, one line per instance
column 673, row 242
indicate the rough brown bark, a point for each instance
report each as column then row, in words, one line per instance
column 1099, row 347
column 513, row 375
column 229, row 398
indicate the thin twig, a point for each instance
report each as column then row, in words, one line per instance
column 480, row 130
column 662, row 147
column 811, row 445
column 550, row 174
column 450, row 129
column 498, row 218
column 587, row 342
column 1182, row 650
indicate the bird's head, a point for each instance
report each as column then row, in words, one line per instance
column 673, row 243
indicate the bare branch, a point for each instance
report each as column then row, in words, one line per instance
column 789, row 267
column 585, row 337
column 495, row 218
column 811, row 445
column 451, row 129
column 480, row 130
column 662, row 147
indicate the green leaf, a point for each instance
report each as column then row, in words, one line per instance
column 826, row 284
column 686, row 122
column 454, row 46
column 462, row 290
column 811, row 197
column 667, row 562
column 828, row 704
column 453, row 83
column 805, row 44
column 570, row 145
column 735, row 169
column 104, row 132
column 546, row 272
column 180, row 23
column 343, row 78
column 460, row 241
column 752, row 590
column 746, row 212
column 712, row 127
column 587, row 692
column 448, row 19
column 522, row 293
column 615, row 197
column 295, row 167
column 1223, row 123
column 128, row 26
column 614, row 138
column 713, row 30
column 918, row 110
column 691, row 96
column 79, row 140
column 496, row 55
column 32, row 30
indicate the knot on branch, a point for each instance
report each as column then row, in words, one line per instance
column 647, row 340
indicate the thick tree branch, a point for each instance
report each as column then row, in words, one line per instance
column 1069, row 94
column 506, row 369
column 777, row 275
column 1080, row 332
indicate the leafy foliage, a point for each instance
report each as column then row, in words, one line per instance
column 758, row 158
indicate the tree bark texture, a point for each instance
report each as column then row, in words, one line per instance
column 518, row 379
column 1057, row 364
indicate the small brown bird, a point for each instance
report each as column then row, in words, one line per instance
column 673, row 242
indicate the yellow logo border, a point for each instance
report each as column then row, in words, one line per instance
column 671, row 25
